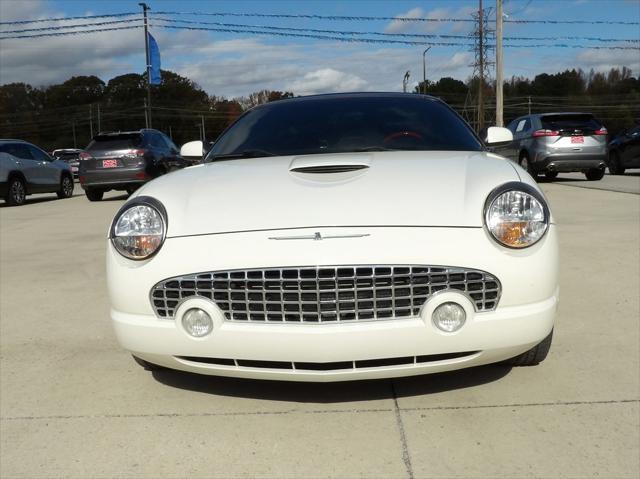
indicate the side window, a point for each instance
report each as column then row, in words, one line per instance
column 19, row 150
column 521, row 125
column 155, row 141
column 38, row 154
column 170, row 144
column 512, row 126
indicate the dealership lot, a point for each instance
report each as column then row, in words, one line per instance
column 73, row 404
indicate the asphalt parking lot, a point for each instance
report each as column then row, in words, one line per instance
column 73, row 404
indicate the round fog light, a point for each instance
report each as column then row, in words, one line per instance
column 197, row 322
column 449, row 317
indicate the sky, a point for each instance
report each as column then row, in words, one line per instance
column 229, row 64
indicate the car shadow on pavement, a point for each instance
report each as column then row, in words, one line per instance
column 32, row 201
column 337, row 392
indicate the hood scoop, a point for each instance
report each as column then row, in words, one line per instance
column 330, row 164
column 328, row 168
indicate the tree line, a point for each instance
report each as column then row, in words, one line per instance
column 613, row 97
column 67, row 114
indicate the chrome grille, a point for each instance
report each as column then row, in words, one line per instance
column 325, row 293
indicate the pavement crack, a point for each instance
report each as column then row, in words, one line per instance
column 406, row 458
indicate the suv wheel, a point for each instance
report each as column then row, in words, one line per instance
column 526, row 164
column 614, row 164
column 66, row 187
column 594, row 174
column 94, row 194
column 16, row 193
column 551, row 175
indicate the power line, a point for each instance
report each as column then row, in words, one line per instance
column 383, row 41
column 75, row 32
column 62, row 19
column 64, row 27
column 386, row 34
column 399, row 19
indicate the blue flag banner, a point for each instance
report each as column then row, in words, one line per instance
column 154, row 60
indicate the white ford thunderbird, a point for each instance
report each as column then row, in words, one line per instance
column 337, row 237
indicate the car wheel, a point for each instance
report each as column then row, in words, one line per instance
column 147, row 365
column 551, row 175
column 16, row 193
column 594, row 174
column 534, row 356
column 526, row 164
column 614, row 164
column 94, row 195
column 66, row 187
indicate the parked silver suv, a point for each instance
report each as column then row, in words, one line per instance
column 551, row 143
column 26, row 169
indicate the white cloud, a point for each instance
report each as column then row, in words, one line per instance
column 326, row 80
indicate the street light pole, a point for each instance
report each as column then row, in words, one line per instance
column 424, row 70
column 145, row 7
column 499, row 66
column 405, row 80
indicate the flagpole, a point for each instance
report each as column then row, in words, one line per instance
column 146, row 47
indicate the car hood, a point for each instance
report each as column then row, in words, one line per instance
column 435, row 188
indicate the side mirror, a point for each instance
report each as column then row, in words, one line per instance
column 498, row 136
column 193, row 150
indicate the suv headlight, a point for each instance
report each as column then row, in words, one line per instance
column 516, row 215
column 139, row 229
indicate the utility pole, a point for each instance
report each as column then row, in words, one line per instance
column 91, row 120
column 405, row 81
column 146, row 113
column 481, row 76
column 73, row 128
column 99, row 129
column 529, row 104
column 499, row 72
column 145, row 7
column 424, row 70
column 203, row 133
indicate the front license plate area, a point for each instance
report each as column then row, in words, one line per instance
column 577, row 139
column 109, row 163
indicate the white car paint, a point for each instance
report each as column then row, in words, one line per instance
column 404, row 207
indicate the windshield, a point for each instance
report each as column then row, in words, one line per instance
column 345, row 124
column 115, row 142
column 570, row 122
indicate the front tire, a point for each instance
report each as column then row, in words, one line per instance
column 594, row 174
column 16, row 193
column 66, row 187
column 614, row 164
column 551, row 175
column 94, row 195
column 534, row 356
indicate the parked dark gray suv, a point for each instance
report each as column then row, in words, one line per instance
column 552, row 143
column 126, row 160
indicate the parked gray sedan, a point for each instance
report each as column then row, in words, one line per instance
column 25, row 169
column 551, row 143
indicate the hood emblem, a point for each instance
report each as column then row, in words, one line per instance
column 317, row 236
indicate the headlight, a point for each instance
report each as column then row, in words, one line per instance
column 139, row 228
column 516, row 215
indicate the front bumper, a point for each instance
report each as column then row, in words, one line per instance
column 523, row 318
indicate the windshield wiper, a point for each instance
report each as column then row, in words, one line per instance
column 242, row 154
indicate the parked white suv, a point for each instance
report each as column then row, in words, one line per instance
column 25, row 169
